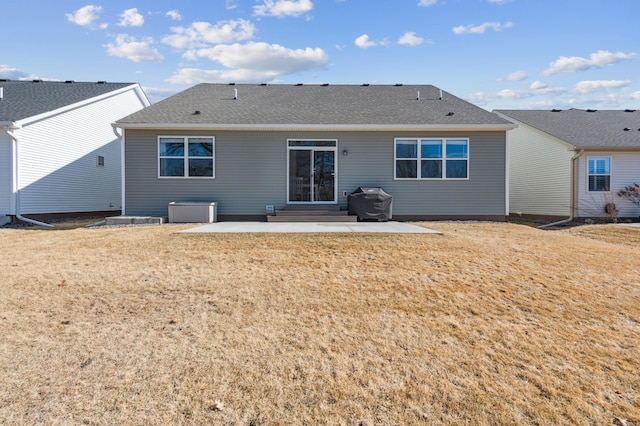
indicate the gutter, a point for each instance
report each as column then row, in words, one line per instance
column 574, row 171
column 14, row 138
column 120, row 136
column 316, row 127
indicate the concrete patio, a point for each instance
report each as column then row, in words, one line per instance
column 311, row 227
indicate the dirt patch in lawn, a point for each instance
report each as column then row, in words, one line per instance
column 486, row 324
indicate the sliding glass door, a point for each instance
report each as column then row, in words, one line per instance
column 312, row 171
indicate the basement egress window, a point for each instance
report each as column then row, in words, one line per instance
column 186, row 156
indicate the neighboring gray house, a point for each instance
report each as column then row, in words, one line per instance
column 58, row 151
column 247, row 147
column 572, row 163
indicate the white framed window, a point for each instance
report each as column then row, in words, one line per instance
column 186, row 157
column 599, row 174
column 431, row 158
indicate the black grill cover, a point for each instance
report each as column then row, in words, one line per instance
column 370, row 204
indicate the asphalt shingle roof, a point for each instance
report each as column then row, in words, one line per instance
column 324, row 105
column 585, row 128
column 23, row 99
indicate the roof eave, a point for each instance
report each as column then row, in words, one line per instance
column 38, row 117
column 317, row 127
column 607, row 148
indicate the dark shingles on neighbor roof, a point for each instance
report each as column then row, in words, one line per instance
column 313, row 105
column 585, row 128
column 23, row 99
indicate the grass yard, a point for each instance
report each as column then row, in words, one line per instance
column 488, row 324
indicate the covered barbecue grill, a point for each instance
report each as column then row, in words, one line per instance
column 370, row 204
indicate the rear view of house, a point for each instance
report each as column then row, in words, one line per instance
column 253, row 147
column 58, row 151
column 572, row 163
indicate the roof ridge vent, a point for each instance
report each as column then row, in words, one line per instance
column 324, row 84
column 69, row 81
column 398, row 85
column 626, row 129
column 365, row 84
column 626, row 110
column 556, row 110
column 592, row 110
column 298, row 84
column 101, row 82
column 37, row 81
column 232, row 84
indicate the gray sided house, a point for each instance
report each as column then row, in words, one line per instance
column 247, row 147
column 58, row 151
column 572, row 163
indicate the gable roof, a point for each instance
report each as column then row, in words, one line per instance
column 584, row 128
column 347, row 107
column 23, row 99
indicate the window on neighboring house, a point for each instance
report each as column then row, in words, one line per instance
column 431, row 158
column 100, row 161
column 599, row 173
column 186, row 157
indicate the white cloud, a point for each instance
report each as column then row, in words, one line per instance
column 200, row 34
column 9, row 73
column 427, row 3
column 282, row 8
column 131, row 18
column 499, row 1
column 599, row 59
column 267, row 58
column 515, row 76
column 196, row 75
column 585, row 87
column 481, row 29
column 538, row 85
column 365, row 42
column 156, row 94
column 85, row 16
column 133, row 49
column 230, row 4
column 174, row 14
column 411, row 39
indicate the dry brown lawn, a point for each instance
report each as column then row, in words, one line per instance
column 488, row 324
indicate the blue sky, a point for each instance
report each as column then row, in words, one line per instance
column 494, row 53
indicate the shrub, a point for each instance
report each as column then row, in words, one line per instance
column 631, row 193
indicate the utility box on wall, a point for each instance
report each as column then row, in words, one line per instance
column 193, row 212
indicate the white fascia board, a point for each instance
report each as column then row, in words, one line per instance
column 317, row 127
column 44, row 115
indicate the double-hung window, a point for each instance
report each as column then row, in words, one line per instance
column 431, row 158
column 186, row 157
column 599, row 174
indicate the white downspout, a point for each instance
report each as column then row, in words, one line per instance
column 122, row 174
column 17, row 175
column 574, row 171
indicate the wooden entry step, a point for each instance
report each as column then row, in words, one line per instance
column 312, row 213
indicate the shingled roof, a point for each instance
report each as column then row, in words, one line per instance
column 322, row 106
column 584, row 128
column 23, row 99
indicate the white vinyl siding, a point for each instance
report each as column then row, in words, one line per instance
column 6, row 174
column 58, row 169
column 539, row 173
column 625, row 170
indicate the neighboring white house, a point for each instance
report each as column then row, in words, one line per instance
column 572, row 163
column 58, row 151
